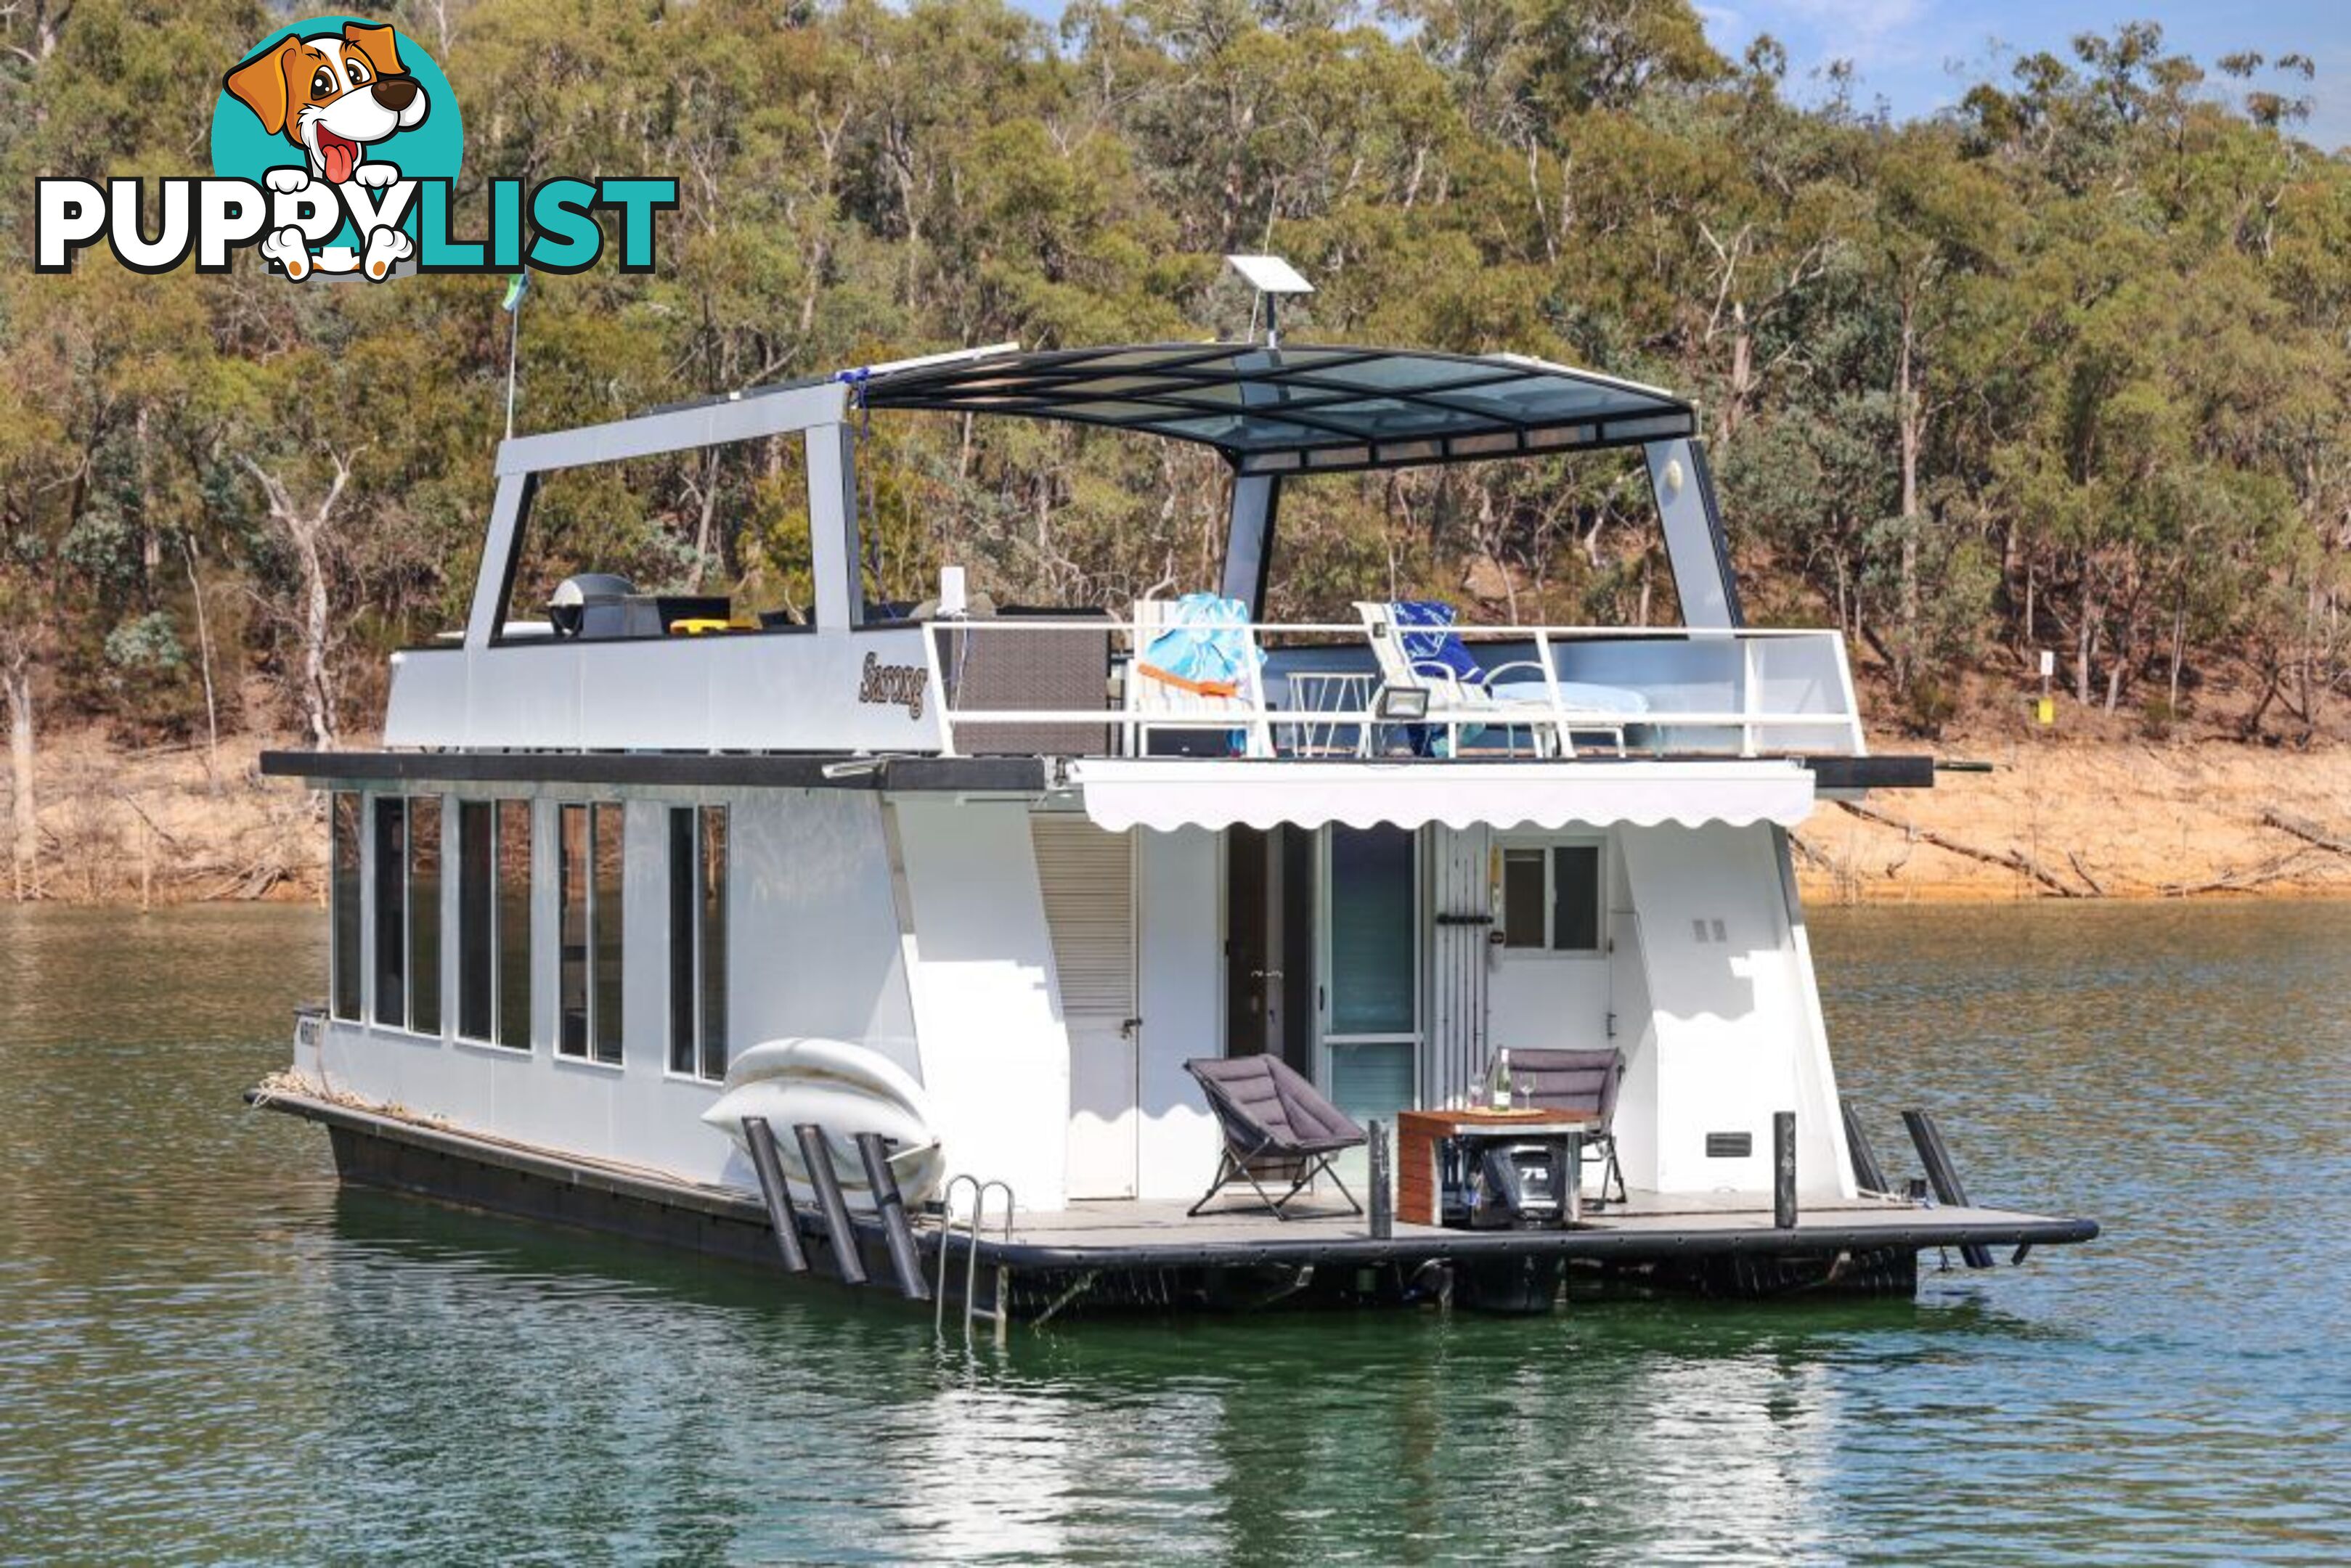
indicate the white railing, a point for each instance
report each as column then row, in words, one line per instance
column 1320, row 691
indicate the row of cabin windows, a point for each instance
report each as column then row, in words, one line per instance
column 494, row 870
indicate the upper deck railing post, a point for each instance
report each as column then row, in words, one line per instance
column 1860, row 740
column 1566, row 731
column 1694, row 542
column 495, row 583
column 832, row 527
column 1749, row 694
column 935, row 672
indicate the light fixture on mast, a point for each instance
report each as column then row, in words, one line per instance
column 1272, row 277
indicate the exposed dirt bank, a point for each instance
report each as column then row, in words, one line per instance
column 2053, row 818
column 2098, row 818
column 163, row 826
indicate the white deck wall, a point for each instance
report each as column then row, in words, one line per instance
column 815, row 944
column 994, row 1056
column 1735, row 1029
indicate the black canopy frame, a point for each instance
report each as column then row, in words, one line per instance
column 1300, row 408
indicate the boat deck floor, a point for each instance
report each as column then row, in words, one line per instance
column 1115, row 1232
column 1153, row 1235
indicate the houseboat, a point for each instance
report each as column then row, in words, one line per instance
column 915, row 947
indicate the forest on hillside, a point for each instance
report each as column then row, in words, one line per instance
column 2066, row 366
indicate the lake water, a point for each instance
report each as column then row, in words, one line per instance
column 208, row 1353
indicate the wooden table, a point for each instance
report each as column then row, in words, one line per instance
column 1419, row 1134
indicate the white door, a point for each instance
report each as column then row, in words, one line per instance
column 1550, row 986
column 1088, row 878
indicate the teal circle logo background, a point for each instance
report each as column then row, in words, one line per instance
column 243, row 150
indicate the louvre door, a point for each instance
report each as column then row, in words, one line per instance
column 1088, row 879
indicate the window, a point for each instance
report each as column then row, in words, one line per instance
column 1550, row 898
column 476, row 921
column 391, row 910
column 424, row 914
column 1373, row 917
column 590, row 843
column 494, row 922
column 698, row 940
column 514, row 875
column 344, row 957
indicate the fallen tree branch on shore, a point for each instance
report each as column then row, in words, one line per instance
column 2240, row 878
column 2306, row 829
column 2014, row 859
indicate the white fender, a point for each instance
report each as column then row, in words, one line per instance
column 846, row 1090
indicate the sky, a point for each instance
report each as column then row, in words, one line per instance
column 1919, row 55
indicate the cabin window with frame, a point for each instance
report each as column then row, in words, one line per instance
column 425, row 913
column 494, row 922
column 698, row 940
column 592, row 842
column 390, row 813
column 347, row 964
column 1550, row 898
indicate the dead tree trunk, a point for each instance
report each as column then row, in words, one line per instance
column 306, row 531
column 17, row 685
column 205, row 663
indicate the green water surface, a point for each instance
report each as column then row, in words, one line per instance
column 209, row 1353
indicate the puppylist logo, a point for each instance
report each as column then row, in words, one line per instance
column 336, row 147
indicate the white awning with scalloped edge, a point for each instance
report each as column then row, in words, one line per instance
column 1165, row 793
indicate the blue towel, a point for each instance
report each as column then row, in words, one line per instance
column 1204, row 647
column 1441, row 647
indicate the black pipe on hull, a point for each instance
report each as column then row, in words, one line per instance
column 817, row 1155
column 1784, row 1170
column 1944, row 1177
column 889, row 1206
column 1867, row 1174
column 769, row 1165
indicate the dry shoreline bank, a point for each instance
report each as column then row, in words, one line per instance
column 2070, row 819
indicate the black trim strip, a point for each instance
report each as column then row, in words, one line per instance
column 796, row 770
column 1872, row 772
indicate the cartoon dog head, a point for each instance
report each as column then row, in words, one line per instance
column 333, row 95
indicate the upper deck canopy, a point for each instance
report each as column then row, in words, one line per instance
column 1303, row 408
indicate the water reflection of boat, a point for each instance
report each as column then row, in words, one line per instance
column 1024, row 866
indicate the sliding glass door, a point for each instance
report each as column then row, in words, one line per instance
column 1370, row 994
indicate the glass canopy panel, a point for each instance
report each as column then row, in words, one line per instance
column 1546, row 400
column 1347, row 407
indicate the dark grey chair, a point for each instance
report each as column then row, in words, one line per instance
column 1274, row 1123
column 1583, row 1081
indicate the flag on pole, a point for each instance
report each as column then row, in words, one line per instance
column 515, row 291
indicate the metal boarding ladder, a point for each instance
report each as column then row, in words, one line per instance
column 1000, row 1312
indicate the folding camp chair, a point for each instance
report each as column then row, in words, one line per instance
column 1583, row 1081
column 1273, row 1121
